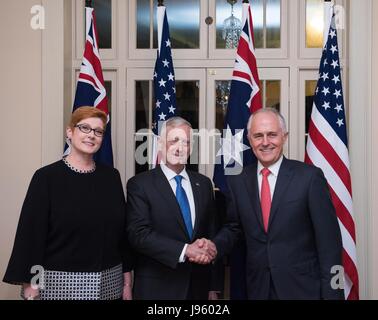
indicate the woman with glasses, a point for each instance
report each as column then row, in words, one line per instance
column 70, row 240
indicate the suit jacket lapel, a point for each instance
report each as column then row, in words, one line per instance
column 284, row 177
column 253, row 190
column 197, row 195
column 164, row 188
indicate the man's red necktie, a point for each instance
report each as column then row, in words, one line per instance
column 265, row 199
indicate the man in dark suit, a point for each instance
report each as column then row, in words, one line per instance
column 284, row 209
column 169, row 209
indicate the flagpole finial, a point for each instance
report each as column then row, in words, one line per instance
column 160, row 3
column 88, row 3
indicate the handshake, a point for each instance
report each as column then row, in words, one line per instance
column 202, row 251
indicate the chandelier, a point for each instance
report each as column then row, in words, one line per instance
column 231, row 28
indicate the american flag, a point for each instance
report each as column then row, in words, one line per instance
column 327, row 148
column 245, row 95
column 90, row 89
column 164, row 80
column 245, row 98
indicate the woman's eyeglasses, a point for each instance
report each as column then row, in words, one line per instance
column 87, row 129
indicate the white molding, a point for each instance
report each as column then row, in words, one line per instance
column 52, row 81
column 373, row 160
column 360, row 107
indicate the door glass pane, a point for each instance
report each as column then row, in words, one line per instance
column 273, row 24
column 143, row 24
column 142, row 98
column 257, row 8
column 262, row 91
column 103, row 13
column 270, row 92
column 222, row 93
column 187, row 96
column 314, row 23
column 310, row 91
column 229, row 23
column 266, row 15
column 140, row 141
column 273, row 94
column 183, row 18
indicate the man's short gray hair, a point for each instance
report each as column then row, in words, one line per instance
column 268, row 110
column 173, row 123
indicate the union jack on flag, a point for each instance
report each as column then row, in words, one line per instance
column 164, row 81
column 245, row 95
column 90, row 89
column 245, row 98
column 327, row 148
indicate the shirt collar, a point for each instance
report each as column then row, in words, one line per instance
column 170, row 174
column 274, row 168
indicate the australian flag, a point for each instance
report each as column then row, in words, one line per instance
column 245, row 98
column 164, row 79
column 90, row 90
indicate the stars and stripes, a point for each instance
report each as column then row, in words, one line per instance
column 327, row 148
column 90, row 89
column 164, row 81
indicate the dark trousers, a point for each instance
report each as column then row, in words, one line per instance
column 272, row 290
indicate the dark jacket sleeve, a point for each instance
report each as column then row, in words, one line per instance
column 217, row 267
column 30, row 242
column 142, row 236
column 327, row 234
column 231, row 230
column 126, row 251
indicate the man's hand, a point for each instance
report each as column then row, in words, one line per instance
column 202, row 251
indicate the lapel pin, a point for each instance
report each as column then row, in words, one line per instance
column 197, row 184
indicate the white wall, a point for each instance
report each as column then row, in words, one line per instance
column 20, row 129
column 373, row 160
column 32, row 91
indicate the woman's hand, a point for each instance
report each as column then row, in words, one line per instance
column 29, row 292
column 127, row 293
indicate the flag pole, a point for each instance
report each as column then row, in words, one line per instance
column 88, row 3
column 327, row 19
column 245, row 10
column 160, row 20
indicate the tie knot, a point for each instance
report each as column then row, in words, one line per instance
column 265, row 172
column 178, row 179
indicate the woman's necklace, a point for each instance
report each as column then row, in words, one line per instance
column 79, row 170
